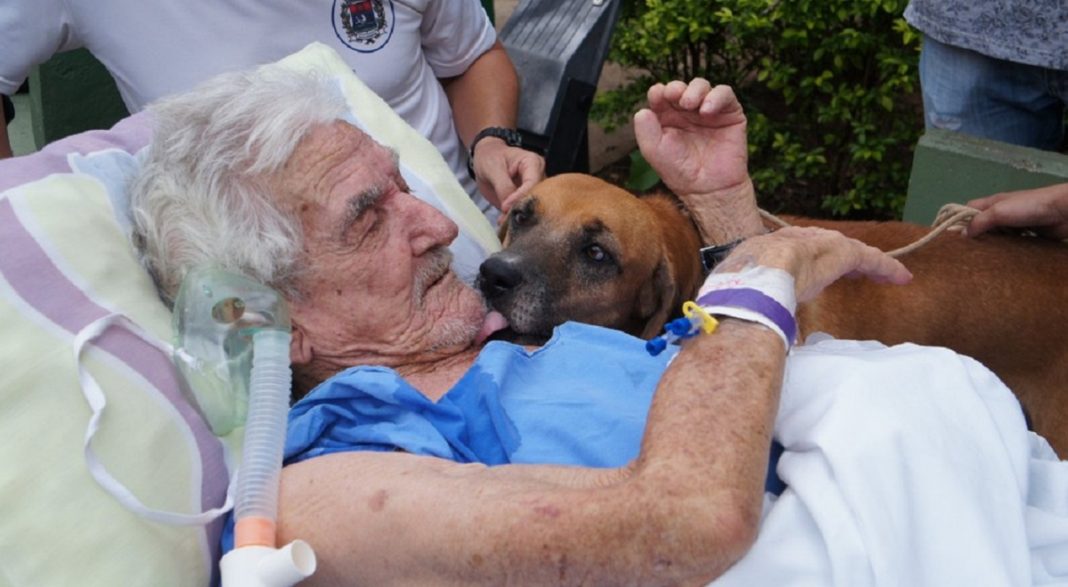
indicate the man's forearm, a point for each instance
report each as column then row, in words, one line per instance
column 686, row 510
column 487, row 94
column 726, row 216
column 710, row 430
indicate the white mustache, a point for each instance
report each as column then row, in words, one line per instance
column 436, row 265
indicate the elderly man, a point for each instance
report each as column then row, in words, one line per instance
column 301, row 200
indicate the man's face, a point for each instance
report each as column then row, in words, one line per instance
column 375, row 282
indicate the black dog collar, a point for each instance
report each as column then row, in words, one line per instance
column 713, row 255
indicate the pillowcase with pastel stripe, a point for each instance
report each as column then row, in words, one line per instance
column 65, row 263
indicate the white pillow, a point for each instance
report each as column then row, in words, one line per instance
column 65, row 260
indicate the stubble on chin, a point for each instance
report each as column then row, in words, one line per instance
column 457, row 329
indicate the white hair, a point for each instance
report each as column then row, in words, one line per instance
column 202, row 195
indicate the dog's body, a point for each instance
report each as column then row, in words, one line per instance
column 581, row 249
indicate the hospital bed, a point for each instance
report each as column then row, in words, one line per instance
column 926, row 477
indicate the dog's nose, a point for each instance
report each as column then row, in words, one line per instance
column 497, row 276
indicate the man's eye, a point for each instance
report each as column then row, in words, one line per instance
column 596, row 253
column 364, row 226
column 369, row 219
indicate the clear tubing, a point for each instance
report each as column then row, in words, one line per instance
column 268, row 405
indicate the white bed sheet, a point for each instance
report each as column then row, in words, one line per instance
column 923, row 475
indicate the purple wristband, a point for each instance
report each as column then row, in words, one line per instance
column 756, row 301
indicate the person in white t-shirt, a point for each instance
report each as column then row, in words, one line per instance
column 436, row 62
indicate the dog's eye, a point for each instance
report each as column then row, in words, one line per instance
column 520, row 217
column 596, row 253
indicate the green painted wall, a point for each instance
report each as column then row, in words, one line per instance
column 72, row 93
column 952, row 167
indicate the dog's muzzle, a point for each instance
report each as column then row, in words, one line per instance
column 499, row 275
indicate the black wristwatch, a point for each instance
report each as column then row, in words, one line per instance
column 510, row 136
column 713, row 255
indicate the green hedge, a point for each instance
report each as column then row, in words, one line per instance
column 829, row 86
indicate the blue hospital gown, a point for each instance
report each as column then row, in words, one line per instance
column 582, row 399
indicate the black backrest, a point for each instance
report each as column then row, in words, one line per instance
column 558, row 48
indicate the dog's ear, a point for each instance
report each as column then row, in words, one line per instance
column 502, row 228
column 656, row 300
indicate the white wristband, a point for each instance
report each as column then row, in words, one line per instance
column 758, row 294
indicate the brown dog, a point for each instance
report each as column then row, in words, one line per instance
column 576, row 251
column 581, row 249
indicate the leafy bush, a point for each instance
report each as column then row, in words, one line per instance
column 829, row 87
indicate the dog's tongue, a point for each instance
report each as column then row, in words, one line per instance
column 494, row 321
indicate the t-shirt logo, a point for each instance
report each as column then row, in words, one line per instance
column 363, row 25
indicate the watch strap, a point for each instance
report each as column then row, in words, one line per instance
column 510, row 136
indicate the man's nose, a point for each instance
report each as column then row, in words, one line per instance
column 429, row 227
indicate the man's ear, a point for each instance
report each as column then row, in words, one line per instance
column 300, row 349
column 656, row 300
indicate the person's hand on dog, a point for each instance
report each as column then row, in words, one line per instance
column 816, row 257
column 1044, row 210
column 694, row 136
column 505, row 174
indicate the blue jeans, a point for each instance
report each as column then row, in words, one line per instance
column 981, row 96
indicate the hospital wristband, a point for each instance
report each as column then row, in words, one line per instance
column 758, row 294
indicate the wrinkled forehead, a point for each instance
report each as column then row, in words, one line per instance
column 328, row 145
column 334, row 156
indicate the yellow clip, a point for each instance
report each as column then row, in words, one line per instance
column 708, row 323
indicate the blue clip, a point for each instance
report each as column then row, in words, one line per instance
column 674, row 331
column 694, row 320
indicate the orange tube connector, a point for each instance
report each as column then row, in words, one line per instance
column 254, row 531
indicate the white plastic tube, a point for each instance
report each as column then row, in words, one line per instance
column 254, row 561
column 265, row 429
column 260, row 566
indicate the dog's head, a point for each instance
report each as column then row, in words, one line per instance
column 578, row 248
